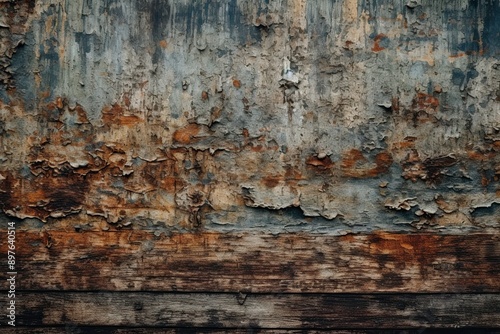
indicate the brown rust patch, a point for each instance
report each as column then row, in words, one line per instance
column 292, row 173
column 424, row 108
column 484, row 180
column 171, row 184
column 163, row 44
column 116, row 115
column 271, row 181
column 395, row 104
column 215, row 113
column 59, row 103
column 376, row 43
column 348, row 44
column 44, row 196
column 81, row 115
column 355, row 164
column 352, row 158
column 318, row 164
column 480, row 155
column 257, row 148
column 187, row 134
column 403, row 250
column 126, row 100
column 409, row 142
column 383, row 161
column 430, row 169
column 204, row 95
column 434, row 166
column 425, row 102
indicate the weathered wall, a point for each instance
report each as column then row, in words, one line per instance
column 328, row 116
column 152, row 152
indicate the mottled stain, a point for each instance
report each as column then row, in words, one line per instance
column 380, row 43
column 115, row 115
column 187, row 134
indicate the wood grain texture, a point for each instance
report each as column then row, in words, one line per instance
column 278, row 311
column 131, row 260
column 73, row 329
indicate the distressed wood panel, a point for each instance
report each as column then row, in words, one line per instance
column 73, row 329
column 259, row 310
column 139, row 260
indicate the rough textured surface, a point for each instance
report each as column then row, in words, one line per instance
column 225, row 164
column 286, row 115
column 131, row 260
column 260, row 311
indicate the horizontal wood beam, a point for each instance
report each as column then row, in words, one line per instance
column 279, row 311
column 73, row 329
column 140, row 261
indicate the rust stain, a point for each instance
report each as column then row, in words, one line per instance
column 126, row 100
column 163, row 44
column 271, row 181
column 355, row 164
column 376, row 43
column 480, row 155
column 59, row 103
column 215, row 113
column 434, row 166
column 429, row 169
column 348, row 238
column 425, row 102
column 383, row 161
column 404, row 250
column 257, row 148
column 408, row 143
column 484, row 181
column 204, row 95
column 349, row 44
column 187, row 134
column 322, row 164
column 395, row 104
column 81, row 115
column 352, row 158
column 424, row 108
column 115, row 115
column 48, row 195
column 292, row 173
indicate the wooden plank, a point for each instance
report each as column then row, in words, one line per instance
column 73, row 329
column 278, row 311
column 140, row 261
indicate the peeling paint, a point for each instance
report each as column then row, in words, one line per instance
column 336, row 117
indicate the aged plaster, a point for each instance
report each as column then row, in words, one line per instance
column 328, row 116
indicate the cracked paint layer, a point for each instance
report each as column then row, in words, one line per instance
column 285, row 115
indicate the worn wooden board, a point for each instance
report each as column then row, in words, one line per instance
column 280, row 311
column 73, row 329
column 132, row 260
